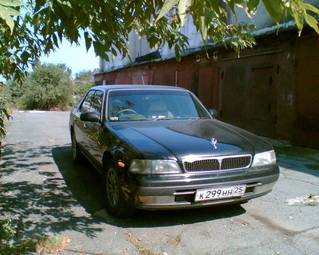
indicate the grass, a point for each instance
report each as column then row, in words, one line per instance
column 52, row 245
column 46, row 245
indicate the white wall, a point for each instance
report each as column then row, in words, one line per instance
column 260, row 20
column 139, row 46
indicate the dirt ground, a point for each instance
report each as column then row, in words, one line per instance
column 46, row 194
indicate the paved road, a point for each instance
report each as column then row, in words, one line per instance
column 46, row 194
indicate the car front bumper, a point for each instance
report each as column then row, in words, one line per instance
column 178, row 191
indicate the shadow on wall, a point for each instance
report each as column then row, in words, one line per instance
column 299, row 159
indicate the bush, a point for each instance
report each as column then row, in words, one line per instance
column 7, row 231
column 83, row 82
column 4, row 114
column 48, row 86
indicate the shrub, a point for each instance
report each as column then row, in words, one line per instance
column 48, row 86
column 4, row 114
column 7, row 231
column 83, row 82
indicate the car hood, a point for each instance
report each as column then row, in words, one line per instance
column 179, row 139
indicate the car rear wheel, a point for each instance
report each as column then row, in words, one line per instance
column 119, row 199
column 76, row 153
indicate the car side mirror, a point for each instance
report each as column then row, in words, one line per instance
column 90, row 116
column 214, row 113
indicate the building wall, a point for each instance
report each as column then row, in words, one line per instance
column 306, row 126
column 260, row 20
column 138, row 46
column 271, row 90
column 257, row 89
column 201, row 77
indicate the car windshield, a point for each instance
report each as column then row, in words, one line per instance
column 150, row 104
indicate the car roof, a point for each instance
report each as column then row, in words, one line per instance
column 130, row 86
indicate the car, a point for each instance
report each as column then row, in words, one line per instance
column 158, row 147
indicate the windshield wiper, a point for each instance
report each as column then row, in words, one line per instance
column 179, row 118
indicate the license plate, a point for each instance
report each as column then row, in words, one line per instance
column 218, row 193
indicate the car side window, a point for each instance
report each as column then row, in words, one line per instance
column 97, row 101
column 86, row 105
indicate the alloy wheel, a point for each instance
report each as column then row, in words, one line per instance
column 112, row 187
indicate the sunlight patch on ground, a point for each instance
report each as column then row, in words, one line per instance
column 311, row 200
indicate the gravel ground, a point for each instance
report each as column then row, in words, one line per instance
column 46, row 194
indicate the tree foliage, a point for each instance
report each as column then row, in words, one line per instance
column 82, row 82
column 32, row 27
column 48, row 86
column 4, row 114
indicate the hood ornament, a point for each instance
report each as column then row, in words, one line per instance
column 214, row 143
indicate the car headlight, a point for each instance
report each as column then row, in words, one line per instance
column 264, row 158
column 139, row 166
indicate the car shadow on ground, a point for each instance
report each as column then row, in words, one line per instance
column 86, row 186
column 299, row 159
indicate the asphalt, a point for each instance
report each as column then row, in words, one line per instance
column 46, row 194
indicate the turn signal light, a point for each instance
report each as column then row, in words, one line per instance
column 120, row 164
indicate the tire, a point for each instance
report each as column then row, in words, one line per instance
column 76, row 153
column 119, row 198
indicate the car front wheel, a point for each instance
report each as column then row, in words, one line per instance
column 119, row 199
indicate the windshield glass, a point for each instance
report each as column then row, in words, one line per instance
column 138, row 105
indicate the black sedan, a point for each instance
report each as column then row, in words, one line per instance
column 158, row 147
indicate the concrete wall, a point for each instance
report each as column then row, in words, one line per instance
column 138, row 46
column 260, row 20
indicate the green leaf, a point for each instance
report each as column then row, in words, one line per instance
column 88, row 40
column 274, row 8
column 312, row 22
column 167, row 6
column 6, row 14
column 55, row 40
column 25, row 56
column 298, row 19
column 252, row 5
column 311, row 8
column 233, row 3
column 203, row 27
column 11, row 3
column 183, row 6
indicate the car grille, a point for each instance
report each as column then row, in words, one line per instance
column 218, row 163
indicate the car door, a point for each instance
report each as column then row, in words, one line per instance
column 94, row 130
column 80, row 127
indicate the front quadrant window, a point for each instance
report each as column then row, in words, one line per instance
column 141, row 105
